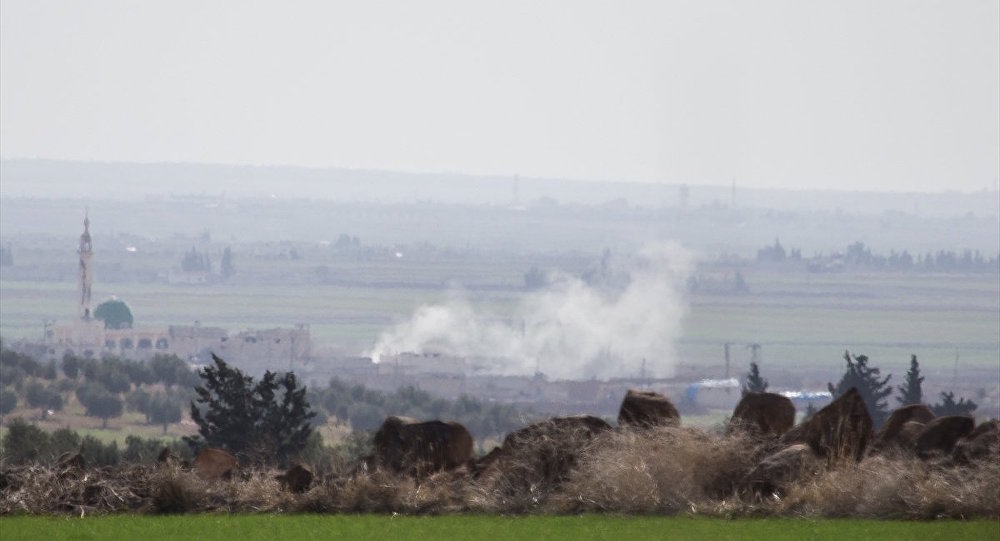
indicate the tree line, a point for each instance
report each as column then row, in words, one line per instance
column 25, row 443
column 105, row 387
column 859, row 255
column 875, row 389
column 269, row 419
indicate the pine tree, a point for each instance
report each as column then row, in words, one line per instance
column 910, row 391
column 948, row 406
column 754, row 383
column 262, row 422
column 866, row 380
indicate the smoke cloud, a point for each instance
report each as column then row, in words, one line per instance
column 603, row 327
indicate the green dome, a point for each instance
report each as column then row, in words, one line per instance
column 115, row 313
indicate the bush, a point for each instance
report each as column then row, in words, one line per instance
column 24, row 443
column 365, row 408
column 96, row 453
column 62, row 441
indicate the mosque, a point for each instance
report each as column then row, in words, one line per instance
column 108, row 329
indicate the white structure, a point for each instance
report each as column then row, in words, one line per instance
column 278, row 348
column 86, row 271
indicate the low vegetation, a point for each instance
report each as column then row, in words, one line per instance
column 645, row 469
column 25, row 444
column 669, row 470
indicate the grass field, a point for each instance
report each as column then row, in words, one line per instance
column 803, row 321
column 456, row 528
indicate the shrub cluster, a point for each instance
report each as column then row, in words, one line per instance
column 25, row 443
column 365, row 408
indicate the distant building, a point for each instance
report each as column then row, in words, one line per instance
column 108, row 329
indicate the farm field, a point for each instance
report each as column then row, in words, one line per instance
column 456, row 528
column 803, row 321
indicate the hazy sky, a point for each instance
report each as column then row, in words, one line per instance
column 897, row 95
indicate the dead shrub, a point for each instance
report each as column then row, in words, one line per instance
column 898, row 487
column 663, row 470
column 258, row 492
column 47, row 490
column 176, row 491
column 534, row 462
column 376, row 492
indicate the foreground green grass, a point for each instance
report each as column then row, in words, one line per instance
column 455, row 528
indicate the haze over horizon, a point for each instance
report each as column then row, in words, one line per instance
column 892, row 96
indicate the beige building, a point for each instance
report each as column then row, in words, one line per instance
column 108, row 330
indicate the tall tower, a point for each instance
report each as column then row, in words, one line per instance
column 86, row 269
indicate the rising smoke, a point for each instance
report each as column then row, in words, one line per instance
column 573, row 329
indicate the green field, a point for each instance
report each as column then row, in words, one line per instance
column 455, row 528
column 802, row 320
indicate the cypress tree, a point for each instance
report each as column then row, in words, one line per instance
column 866, row 379
column 910, row 391
column 754, row 383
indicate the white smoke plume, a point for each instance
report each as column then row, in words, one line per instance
column 570, row 330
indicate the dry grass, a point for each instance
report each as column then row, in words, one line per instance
column 663, row 470
column 660, row 471
column 899, row 487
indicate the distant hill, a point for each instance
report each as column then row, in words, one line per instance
column 138, row 181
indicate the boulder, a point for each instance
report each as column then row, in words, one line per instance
column 407, row 445
column 764, row 413
column 906, row 438
column 644, row 409
column 298, row 478
column 777, row 471
column 982, row 443
column 940, row 435
column 888, row 437
column 841, row 430
column 215, row 464
column 548, row 450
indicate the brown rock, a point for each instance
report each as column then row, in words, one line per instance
column 643, row 409
column 777, row 471
column 982, row 443
column 765, row 413
column 890, row 435
column 408, row 445
column 215, row 464
column 941, row 434
column 906, row 438
column 298, row 478
column 841, row 430
column 547, row 450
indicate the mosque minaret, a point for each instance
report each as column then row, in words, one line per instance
column 86, row 270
